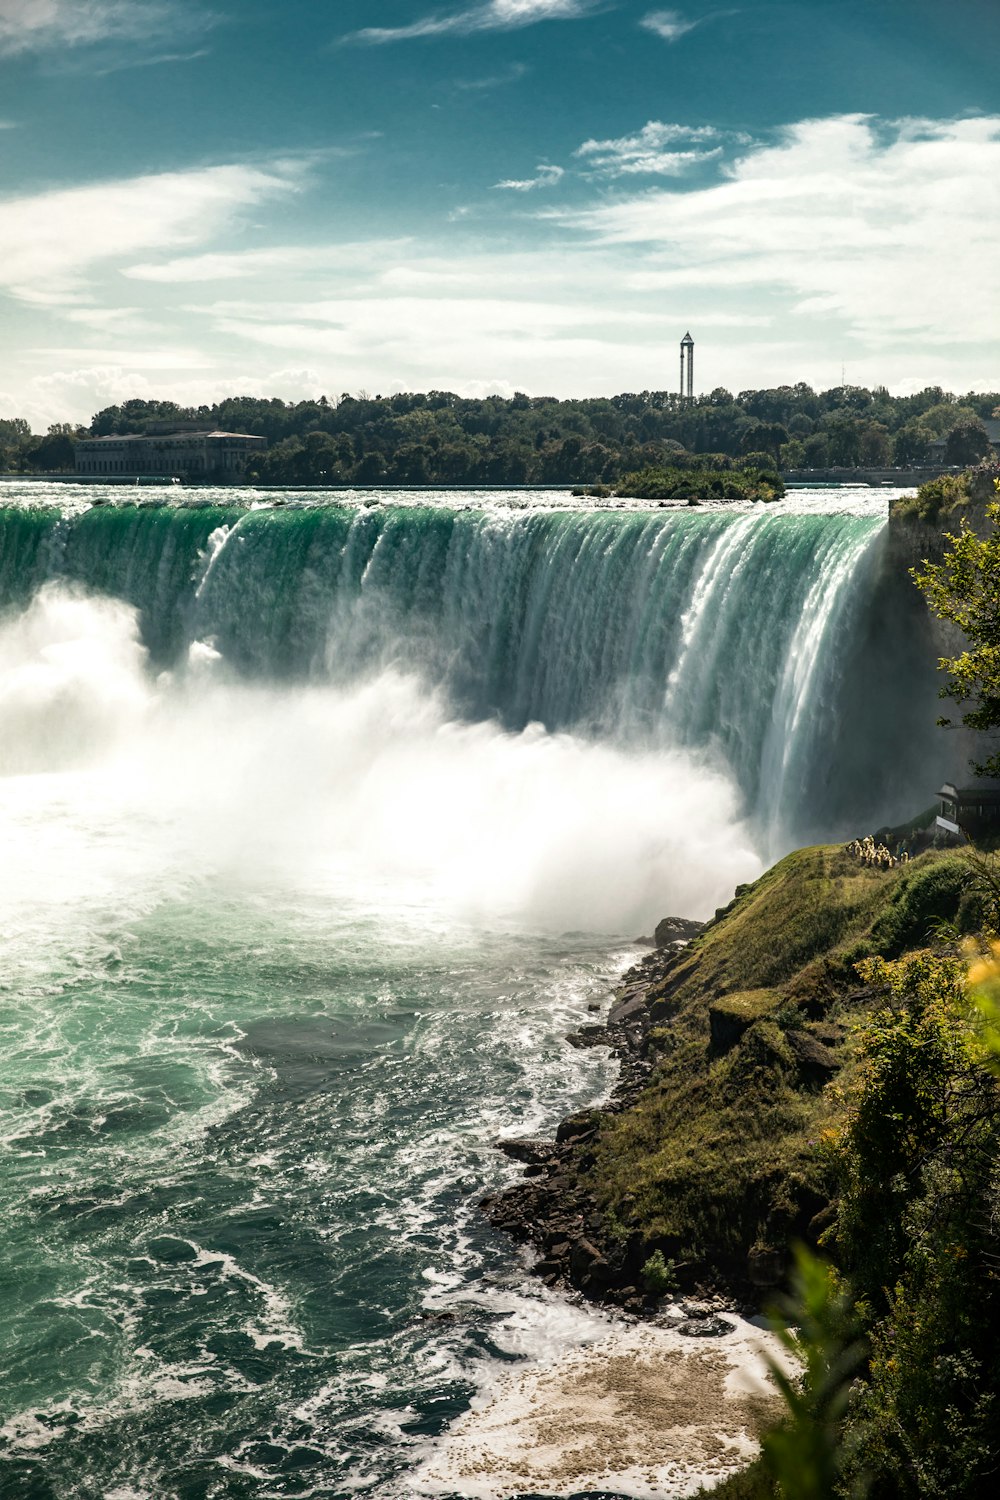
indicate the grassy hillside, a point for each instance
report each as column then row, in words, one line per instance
column 720, row 1160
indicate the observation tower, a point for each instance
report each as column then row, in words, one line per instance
column 687, row 379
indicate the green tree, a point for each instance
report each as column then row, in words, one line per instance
column 817, row 447
column 764, row 437
column 967, row 442
column 875, row 447
column 912, row 443
column 963, row 589
column 917, row 1234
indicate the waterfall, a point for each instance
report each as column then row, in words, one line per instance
column 723, row 632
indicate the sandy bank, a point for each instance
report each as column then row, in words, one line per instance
column 646, row 1412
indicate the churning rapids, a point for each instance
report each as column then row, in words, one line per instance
column 323, row 824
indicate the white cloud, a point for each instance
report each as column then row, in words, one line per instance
column 38, row 25
column 51, row 241
column 545, row 176
column 668, row 24
column 836, row 240
column 644, row 152
column 495, row 15
column 278, row 260
column 891, row 229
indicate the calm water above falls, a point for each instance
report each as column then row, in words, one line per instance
column 323, row 826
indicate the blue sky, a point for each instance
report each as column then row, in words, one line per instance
column 491, row 195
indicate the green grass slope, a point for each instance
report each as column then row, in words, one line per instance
column 720, row 1160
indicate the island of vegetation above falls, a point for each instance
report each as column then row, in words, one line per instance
column 442, row 438
column 810, row 1098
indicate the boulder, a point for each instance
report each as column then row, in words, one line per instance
column 580, row 1126
column 674, row 929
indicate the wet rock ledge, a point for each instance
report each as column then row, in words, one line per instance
column 550, row 1209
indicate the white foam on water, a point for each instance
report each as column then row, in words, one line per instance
column 643, row 1411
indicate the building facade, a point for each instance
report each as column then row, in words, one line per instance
column 186, row 455
column 972, row 810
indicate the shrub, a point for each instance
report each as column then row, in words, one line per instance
column 659, row 1276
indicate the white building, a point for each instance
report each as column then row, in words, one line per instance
column 194, row 455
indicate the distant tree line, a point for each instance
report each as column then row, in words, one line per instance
column 441, row 438
column 22, row 451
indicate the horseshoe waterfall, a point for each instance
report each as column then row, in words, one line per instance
column 323, row 824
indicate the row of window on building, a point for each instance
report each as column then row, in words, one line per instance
column 197, row 453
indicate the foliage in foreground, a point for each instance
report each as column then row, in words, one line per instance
column 917, row 1240
column 809, row 1454
column 919, row 1237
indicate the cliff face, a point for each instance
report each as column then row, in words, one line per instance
column 912, row 539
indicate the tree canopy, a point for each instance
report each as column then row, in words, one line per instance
column 438, row 437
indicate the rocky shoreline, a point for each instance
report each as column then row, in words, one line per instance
column 550, row 1210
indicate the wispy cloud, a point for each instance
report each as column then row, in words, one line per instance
column 278, row 261
column 160, row 59
column 513, row 74
column 668, row 24
column 545, row 176
column 494, row 15
column 41, row 25
column 50, row 242
column 667, row 150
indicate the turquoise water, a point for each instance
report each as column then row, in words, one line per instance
column 243, row 1147
column 323, row 825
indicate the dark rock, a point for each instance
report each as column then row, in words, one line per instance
column 674, row 929
column 765, row 1267
column 815, row 1059
column 704, row 1328
column 547, row 1268
column 588, row 1036
column 725, row 1027
column 623, row 1009
column 584, row 1256
column 525, row 1148
column 576, row 1127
